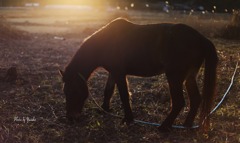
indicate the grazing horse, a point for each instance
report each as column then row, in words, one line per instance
column 124, row 48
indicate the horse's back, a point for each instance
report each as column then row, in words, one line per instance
column 146, row 49
column 133, row 49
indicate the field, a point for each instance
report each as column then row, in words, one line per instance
column 39, row 42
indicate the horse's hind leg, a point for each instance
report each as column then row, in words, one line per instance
column 177, row 100
column 195, row 100
column 109, row 89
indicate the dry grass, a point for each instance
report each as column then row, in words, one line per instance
column 37, row 94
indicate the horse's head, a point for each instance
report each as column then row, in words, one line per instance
column 76, row 91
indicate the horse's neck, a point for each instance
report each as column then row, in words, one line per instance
column 82, row 64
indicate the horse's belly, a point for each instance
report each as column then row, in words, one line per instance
column 145, row 70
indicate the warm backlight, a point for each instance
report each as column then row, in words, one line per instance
column 76, row 2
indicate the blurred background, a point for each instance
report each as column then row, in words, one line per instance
column 201, row 5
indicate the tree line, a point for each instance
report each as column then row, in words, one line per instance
column 217, row 5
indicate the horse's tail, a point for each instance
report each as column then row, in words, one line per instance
column 209, row 86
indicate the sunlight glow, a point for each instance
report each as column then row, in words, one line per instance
column 132, row 4
column 75, row 2
column 65, row 11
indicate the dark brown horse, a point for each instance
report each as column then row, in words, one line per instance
column 124, row 48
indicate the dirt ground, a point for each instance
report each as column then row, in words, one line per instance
column 37, row 43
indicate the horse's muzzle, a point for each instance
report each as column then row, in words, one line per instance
column 73, row 117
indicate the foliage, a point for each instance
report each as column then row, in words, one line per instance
column 232, row 30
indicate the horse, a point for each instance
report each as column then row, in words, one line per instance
column 124, row 48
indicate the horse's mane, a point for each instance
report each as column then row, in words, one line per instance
column 114, row 22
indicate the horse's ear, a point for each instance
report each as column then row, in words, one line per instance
column 61, row 73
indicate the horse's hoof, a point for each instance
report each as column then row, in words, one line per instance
column 106, row 108
column 72, row 121
column 128, row 122
column 165, row 129
column 74, row 118
column 187, row 125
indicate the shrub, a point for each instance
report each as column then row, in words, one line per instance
column 232, row 30
column 236, row 19
column 8, row 32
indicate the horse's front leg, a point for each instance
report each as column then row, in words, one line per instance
column 108, row 93
column 124, row 95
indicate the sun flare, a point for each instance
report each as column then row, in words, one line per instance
column 68, row 8
column 76, row 2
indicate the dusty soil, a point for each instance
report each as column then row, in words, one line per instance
column 32, row 107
